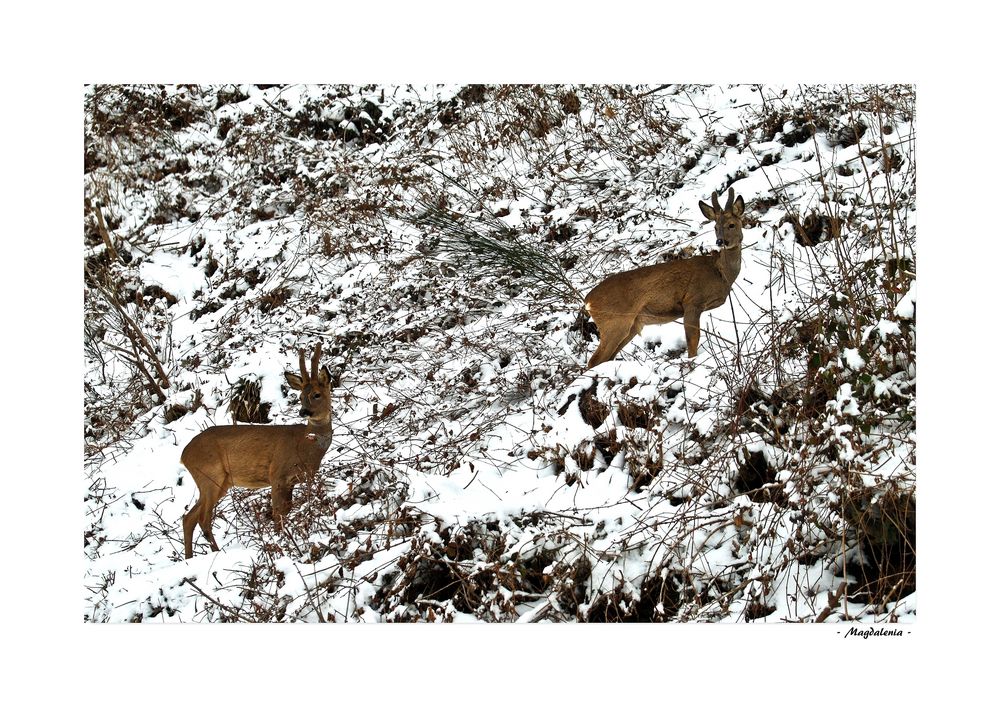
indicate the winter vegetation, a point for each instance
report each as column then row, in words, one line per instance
column 437, row 242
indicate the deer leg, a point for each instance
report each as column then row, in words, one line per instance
column 207, row 514
column 692, row 330
column 193, row 516
column 615, row 333
column 281, row 503
column 632, row 333
column 209, row 493
column 190, row 520
column 206, row 528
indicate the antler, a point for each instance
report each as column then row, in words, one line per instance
column 302, row 364
column 315, row 360
column 729, row 202
column 715, row 202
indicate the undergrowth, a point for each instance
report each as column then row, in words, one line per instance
column 437, row 243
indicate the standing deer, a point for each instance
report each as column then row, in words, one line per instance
column 624, row 303
column 257, row 456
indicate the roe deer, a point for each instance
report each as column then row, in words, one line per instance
column 257, row 456
column 624, row 303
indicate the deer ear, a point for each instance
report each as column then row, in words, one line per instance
column 710, row 213
column 738, row 206
column 324, row 376
column 294, row 380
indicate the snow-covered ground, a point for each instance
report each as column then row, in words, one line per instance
column 478, row 472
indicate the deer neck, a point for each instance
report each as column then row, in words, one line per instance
column 729, row 262
column 321, row 430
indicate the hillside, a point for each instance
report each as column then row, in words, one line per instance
column 437, row 242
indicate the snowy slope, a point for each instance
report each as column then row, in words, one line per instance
column 478, row 473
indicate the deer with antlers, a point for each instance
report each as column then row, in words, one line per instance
column 257, row 456
column 624, row 303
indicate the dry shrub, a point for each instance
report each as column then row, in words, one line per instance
column 245, row 404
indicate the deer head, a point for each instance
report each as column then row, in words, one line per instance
column 728, row 220
column 314, row 400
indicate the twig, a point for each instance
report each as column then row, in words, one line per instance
column 832, row 600
column 102, row 228
column 236, row 614
column 535, row 615
column 655, row 90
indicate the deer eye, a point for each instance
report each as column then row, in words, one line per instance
column 315, row 396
